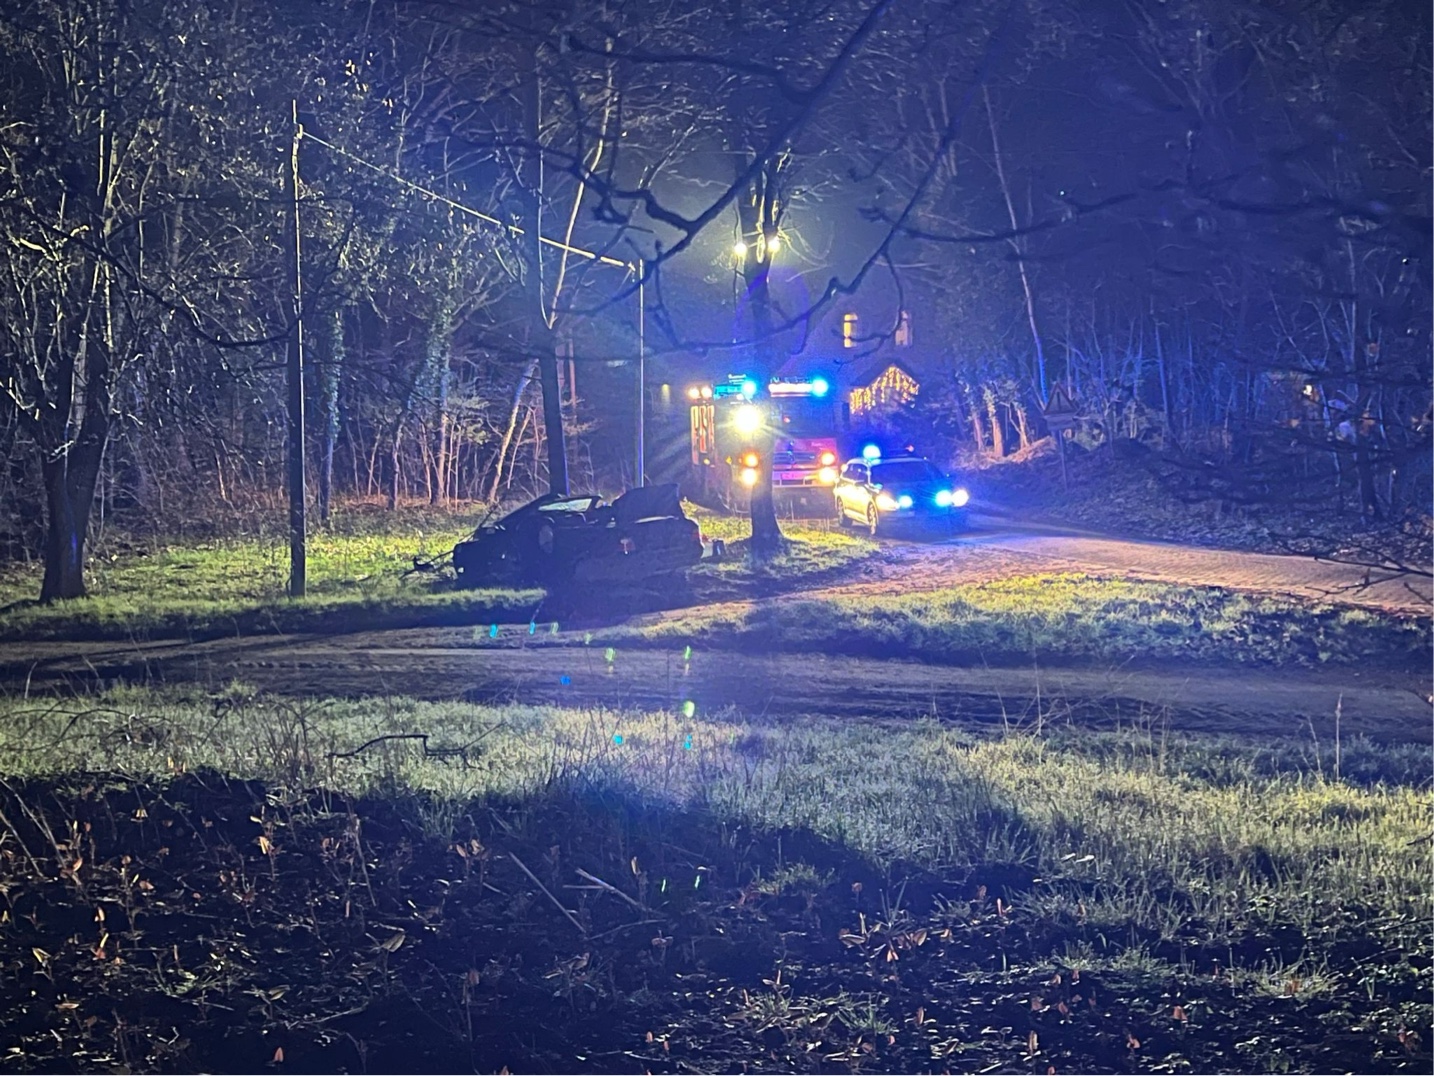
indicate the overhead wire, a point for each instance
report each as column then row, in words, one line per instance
column 568, row 248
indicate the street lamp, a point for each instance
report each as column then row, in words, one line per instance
column 763, row 244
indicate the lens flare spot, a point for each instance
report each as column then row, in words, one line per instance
column 617, row 738
column 565, row 680
column 688, row 709
column 532, row 627
column 493, row 632
column 609, row 655
column 687, row 653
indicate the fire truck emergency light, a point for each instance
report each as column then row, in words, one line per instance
column 747, row 420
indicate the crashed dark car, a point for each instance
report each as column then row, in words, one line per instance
column 558, row 541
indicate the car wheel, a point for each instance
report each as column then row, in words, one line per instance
column 843, row 520
column 872, row 519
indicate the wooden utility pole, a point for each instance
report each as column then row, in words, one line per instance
column 294, row 371
column 639, row 464
column 540, row 337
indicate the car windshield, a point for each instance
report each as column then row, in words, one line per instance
column 904, row 473
column 573, row 504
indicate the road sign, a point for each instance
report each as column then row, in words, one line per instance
column 1060, row 409
column 1060, row 415
column 1061, row 402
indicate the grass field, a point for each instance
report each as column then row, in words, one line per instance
column 1057, row 615
column 359, row 575
column 219, row 881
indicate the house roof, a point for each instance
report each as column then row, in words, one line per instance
column 862, row 372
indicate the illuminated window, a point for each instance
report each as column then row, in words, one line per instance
column 903, row 329
column 848, row 330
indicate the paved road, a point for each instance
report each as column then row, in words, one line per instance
column 450, row 663
column 459, row 663
column 997, row 546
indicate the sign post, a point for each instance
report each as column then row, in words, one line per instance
column 1060, row 414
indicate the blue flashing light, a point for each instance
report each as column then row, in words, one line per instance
column 871, row 453
column 904, row 501
column 749, row 388
column 820, row 386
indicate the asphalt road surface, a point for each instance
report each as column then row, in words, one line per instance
column 562, row 668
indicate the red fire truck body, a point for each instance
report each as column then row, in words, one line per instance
column 732, row 426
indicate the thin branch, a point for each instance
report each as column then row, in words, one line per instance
column 571, row 918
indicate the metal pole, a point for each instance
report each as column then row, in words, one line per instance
column 294, row 371
column 639, row 470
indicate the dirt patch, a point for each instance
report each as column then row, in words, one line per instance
column 210, row 925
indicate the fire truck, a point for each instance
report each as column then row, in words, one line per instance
column 797, row 419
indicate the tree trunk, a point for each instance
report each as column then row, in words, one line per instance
column 977, row 431
column 506, row 444
column 1022, row 428
column 998, row 435
column 1018, row 247
column 756, row 213
column 329, row 374
column 395, row 466
column 73, row 453
column 437, row 377
column 69, row 495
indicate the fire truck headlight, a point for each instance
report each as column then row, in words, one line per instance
column 694, row 393
column 747, row 420
column 820, row 386
column 960, row 498
column 751, row 459
column 827, row 476
column 749, row 476
column 828, row 459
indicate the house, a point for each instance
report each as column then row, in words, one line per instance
column 872, row 367
column 878, row 384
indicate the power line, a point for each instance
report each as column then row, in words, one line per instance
column 592, row 255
